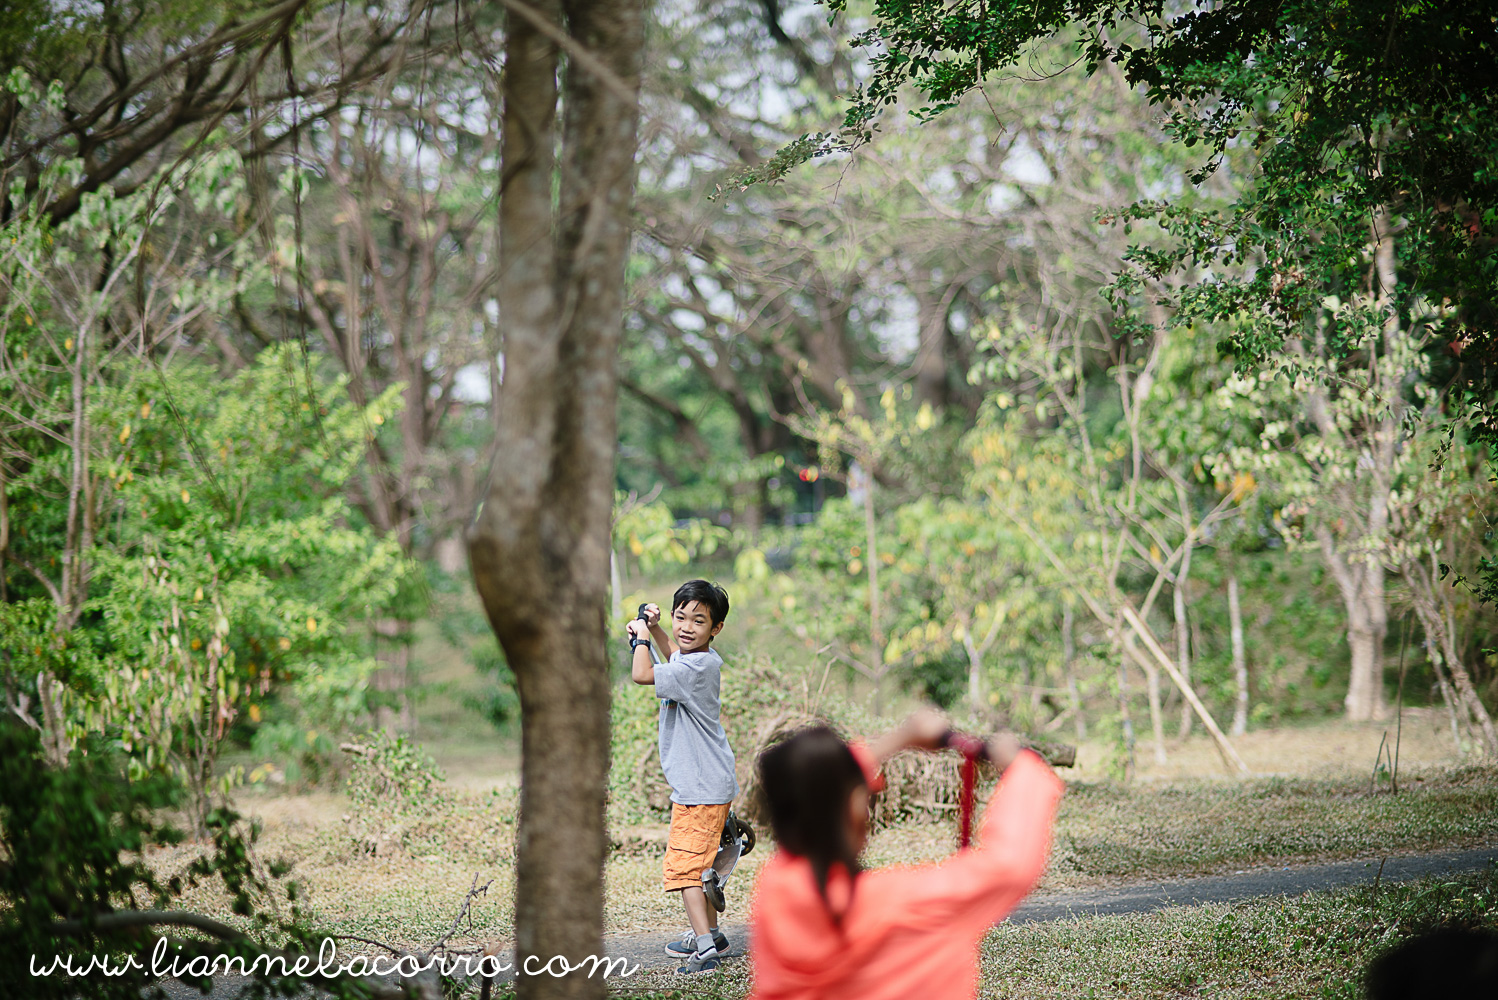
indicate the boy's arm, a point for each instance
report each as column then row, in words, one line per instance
column 662, row 638
column 641, row 666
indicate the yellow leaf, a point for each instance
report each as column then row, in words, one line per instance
column 254, row 713
column 197, row 644
column 311, row 624
column 925, row 417
column 67, row 345
column 197, row 595
column 377, row 420
column 284, row 643
column 1155, row 553
column 124, row 434
column 185, row 497
column 855, row 566
column 145, row 410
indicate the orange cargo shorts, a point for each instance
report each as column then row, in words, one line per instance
column 693, row 843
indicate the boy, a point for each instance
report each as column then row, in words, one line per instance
column 694, row 753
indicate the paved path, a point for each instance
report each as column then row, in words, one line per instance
column 1252, row 883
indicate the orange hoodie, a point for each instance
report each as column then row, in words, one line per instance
column 907, row 932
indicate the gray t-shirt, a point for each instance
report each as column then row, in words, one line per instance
column 694, row 749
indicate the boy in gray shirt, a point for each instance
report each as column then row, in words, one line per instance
column 694, row 753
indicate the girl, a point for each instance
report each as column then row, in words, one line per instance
column 823, row 928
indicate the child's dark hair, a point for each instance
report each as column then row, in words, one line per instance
column 1445, row 962
column 709, row 595
column 807, row 780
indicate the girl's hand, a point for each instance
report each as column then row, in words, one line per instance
column 926, row 728
column 1002, row 749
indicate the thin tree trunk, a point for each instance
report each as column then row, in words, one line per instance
column 1183, row 634
column 974, row 667
column 539, row 548
column 1240, row 660
column 1428, row 601
column 392, row 680
column 1069, row 656
column 876, row 634
column 1152, row 680
column 1125, row 718
column 1229, row 755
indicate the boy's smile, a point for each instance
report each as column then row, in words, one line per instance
column 692, row 626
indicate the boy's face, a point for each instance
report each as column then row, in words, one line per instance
column 693, row 627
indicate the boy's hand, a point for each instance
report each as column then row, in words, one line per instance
column 652, row 614
column 637, row 629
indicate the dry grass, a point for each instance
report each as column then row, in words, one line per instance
column 1326, row 748
column 1313, row 945
column 1106, row 833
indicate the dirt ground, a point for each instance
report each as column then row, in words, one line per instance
column 1329, row 748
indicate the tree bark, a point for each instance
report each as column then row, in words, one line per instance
column 393, row 680
column 876, row 634
column 1069, row 656
column 1438, row 630
column 1362, row 588
column 1183, row 635
column 1152, row 679
column 539, row 547
column 1240, row 661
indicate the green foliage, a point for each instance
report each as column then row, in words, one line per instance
column 647, row 535
column 75, row 839
column 498, row 702
column 391, row 772
column 233, row 577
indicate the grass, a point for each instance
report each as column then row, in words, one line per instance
column 1313, row 945
column 1106, row 834
column 1175, row 820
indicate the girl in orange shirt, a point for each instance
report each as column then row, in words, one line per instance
column 823, row 928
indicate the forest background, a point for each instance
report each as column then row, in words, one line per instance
column 999, row 410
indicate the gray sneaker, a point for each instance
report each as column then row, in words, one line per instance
column 700, row 962
column 686, row 945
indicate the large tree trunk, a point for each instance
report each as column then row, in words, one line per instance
column 540, row 546
column 1362, row 588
